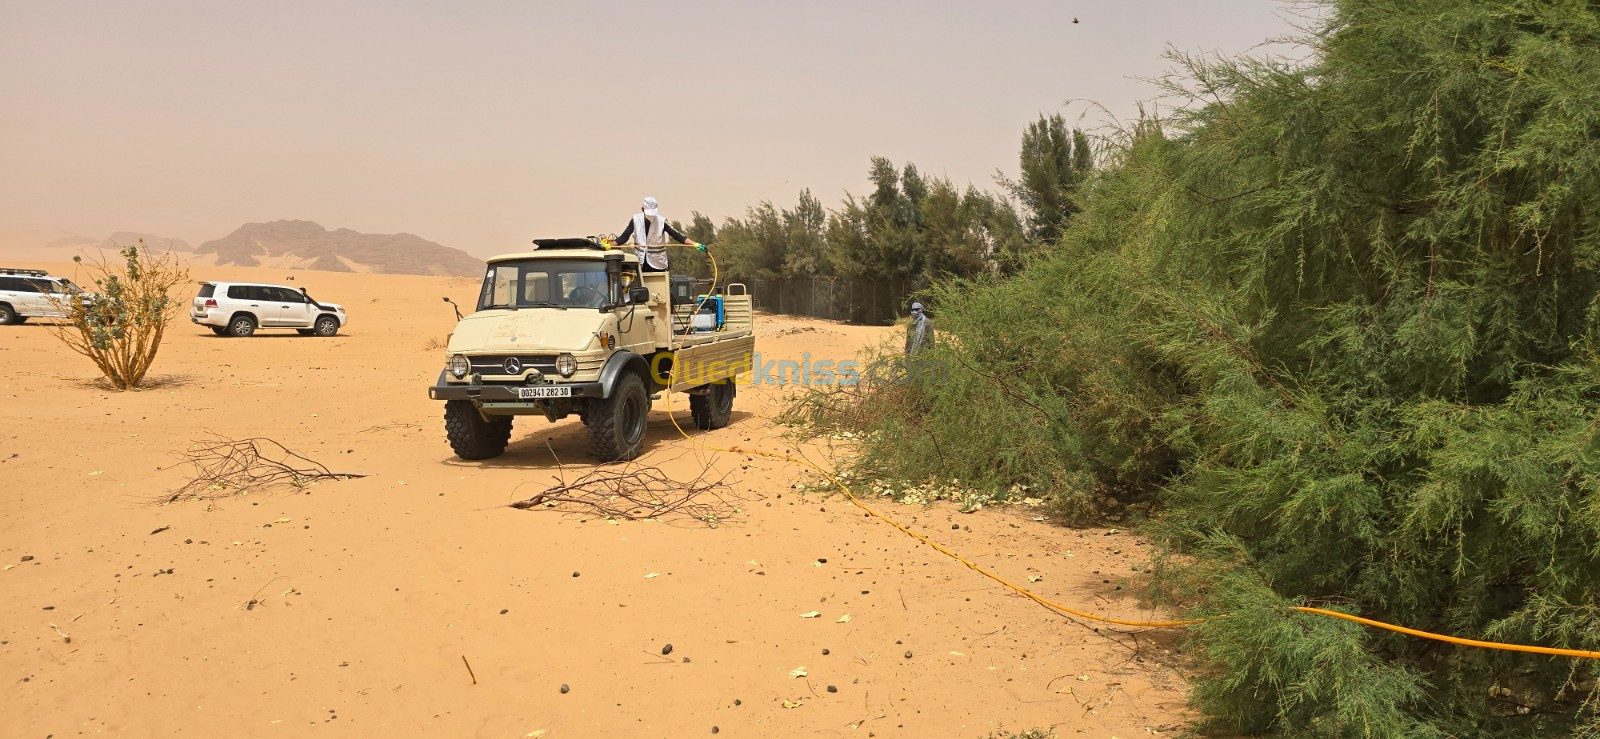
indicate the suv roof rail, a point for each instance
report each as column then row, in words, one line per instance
column 28, row 272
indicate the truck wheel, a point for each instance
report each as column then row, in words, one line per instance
column 616, row 424
column 327, row 326
column 715, row 408
column 306, row 331
column 8, row 315
column 471, row 436
column 220, row 330
column 242, row 324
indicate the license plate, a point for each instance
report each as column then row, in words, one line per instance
column 544, row 391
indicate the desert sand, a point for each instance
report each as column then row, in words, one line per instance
column 353, row 608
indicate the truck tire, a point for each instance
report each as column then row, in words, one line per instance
column 326, row 326
column 220, row 330
column 8, row 315
column 616, row 424
column 471, row 436
column 715, row 408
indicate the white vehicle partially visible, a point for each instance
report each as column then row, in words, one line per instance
column 241, row 308
column 33, row 293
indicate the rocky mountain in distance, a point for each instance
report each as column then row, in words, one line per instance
column 307, row 245
column 66, row 240
column 124, row 239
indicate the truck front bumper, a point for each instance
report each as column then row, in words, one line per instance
column 507, row 393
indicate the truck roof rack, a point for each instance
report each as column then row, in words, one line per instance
column 567, row 243
column 28, row 272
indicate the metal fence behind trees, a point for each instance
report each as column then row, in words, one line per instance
column 858, row 300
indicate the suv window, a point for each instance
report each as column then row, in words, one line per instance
column 249, row 292
column 9, row 283
column 284, row 295
column 207, row 291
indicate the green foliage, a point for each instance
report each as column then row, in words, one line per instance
column 1344, row 319
column 909, row 231
column 1054, row 165
column 120, row 326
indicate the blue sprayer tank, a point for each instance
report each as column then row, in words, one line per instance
column 711, row 315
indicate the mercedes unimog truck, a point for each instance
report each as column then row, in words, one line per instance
column 573, row 327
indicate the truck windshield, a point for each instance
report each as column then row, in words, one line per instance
column 544, row 283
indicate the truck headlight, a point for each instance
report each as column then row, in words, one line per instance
column 566, row 364
column 459, row 366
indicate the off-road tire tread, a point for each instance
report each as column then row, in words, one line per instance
column 471, row 437
column 600, row 417
column 703, row 408
column 8, row 315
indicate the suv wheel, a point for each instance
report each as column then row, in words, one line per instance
column 220, row 330
column 8, row 315
column 242, row 325
column 327, row 326
column 471, row 435
column 714, row 409
column 616, row 424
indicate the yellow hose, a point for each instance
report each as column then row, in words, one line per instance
column 1035, row 597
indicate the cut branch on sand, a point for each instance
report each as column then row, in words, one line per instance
column 635, row 492
column 223, row 467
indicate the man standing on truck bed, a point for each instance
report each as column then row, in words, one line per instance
column 650, row 231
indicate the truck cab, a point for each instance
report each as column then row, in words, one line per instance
column 573, row 327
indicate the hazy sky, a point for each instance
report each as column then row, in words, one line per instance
column 481, row 125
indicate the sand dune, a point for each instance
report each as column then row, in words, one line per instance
column 348, row 608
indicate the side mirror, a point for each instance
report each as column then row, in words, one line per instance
column 639, row 294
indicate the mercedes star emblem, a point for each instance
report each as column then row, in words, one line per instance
column 513, row 366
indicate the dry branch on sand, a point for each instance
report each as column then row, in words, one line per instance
column 634, row 492
column 223, row 467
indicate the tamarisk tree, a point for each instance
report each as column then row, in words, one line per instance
column 1342, row 319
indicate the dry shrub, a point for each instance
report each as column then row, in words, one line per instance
column 120, row 327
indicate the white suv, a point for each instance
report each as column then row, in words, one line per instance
column 27, row 293
column 239, row 308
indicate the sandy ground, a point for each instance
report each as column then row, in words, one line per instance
column 372, row 596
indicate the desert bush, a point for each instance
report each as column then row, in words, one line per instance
column 1344, row 319
column 1033, row 388
column 120, row 326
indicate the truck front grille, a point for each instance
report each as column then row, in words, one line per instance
column 495, row 364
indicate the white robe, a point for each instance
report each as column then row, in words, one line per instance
column 649, row 239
